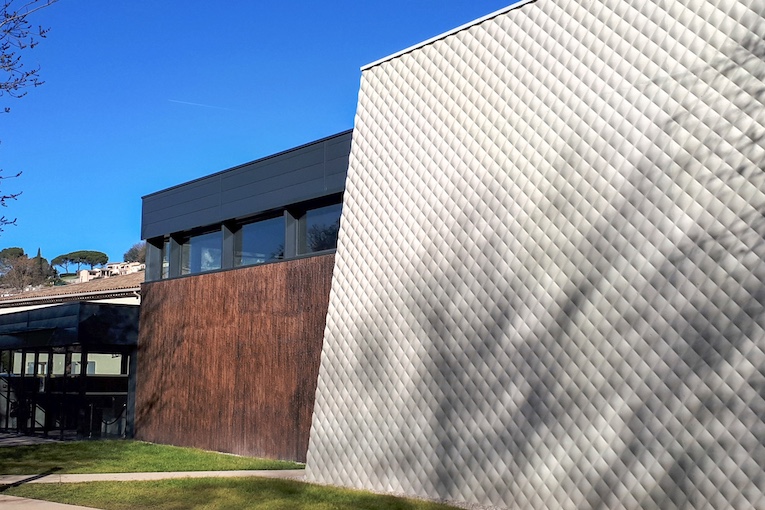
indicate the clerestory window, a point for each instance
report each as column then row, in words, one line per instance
column 259, row 242
column 202, row 253
column 319, row 230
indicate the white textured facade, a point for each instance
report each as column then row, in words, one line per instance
column 549, row 288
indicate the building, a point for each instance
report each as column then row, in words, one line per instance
column 549, row 283
column 549, row 288
column 109, row 270
column 238, row 268
column 67, row 358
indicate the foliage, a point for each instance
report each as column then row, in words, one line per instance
column 136, row 253
column 18, row 271
column 62, row 262
column 16, row 36
column 87, row 257
column 92, row 258
column 217, row 493
column 11, row 253
column 124, row 457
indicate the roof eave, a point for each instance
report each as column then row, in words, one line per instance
column 75, row 296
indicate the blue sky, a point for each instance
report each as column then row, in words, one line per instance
column 142, row 95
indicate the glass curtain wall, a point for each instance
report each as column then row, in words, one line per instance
column 321, row 227
column 202, row 253
column 290, row 233
column 259, row 242
column 64, row 391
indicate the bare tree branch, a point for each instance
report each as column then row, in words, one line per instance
column 16, row 35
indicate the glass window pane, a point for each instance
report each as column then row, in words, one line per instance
column 17, row 358
column 201, row 253
column 75, row 365
column 42, row 364
column 258, row 242
column 59, row 361
column 321, row 226
column 165, row 259
column 5, row 362
column 104, row 364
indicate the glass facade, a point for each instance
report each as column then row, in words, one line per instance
column 61, row 389
column 259, row 242
column 321, row 227
column 166, row 258
column 202, row 253
column 104, row 364
column 295, row 231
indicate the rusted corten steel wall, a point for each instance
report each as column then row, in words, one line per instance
column 228, row 361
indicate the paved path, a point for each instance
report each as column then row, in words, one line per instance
column 14, row 503
column 292, row 474
column 13, row 439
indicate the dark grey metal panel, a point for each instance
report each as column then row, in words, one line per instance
column 197, row 218
column 107, row 324
column 181, row 213
column 255, row 173
column 68, row 323
column 195, row 191
column 283, row 182
column 274, row 199
column 335, row 183
column 206, row 203
column 165, row 211
column 60, row 316
column 336, row 167
column 172, row 209
column 304, row 173
column 339, row 148
column 153, row 259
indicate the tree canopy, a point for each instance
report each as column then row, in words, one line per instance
column 82, row 257
column 19, row 271
column 136, row 253
column 62, row 262
column 11, row 253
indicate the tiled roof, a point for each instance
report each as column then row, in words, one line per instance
column 104, row 286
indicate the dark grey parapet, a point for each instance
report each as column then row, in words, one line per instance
column 304, row 173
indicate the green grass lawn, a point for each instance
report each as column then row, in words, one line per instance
column 216, row 494
column 122, row 456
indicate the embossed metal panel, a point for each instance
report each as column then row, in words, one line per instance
column 548, row 289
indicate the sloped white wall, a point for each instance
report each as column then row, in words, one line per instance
column 549, row 286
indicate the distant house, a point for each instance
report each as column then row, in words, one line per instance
column 110, row 269
column 67, row 358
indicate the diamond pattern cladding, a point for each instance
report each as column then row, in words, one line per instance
column 550, row 280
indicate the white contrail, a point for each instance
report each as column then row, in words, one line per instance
column 200, row 104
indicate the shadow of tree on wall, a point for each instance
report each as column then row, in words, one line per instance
column 643, row 385
column 719, row 450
